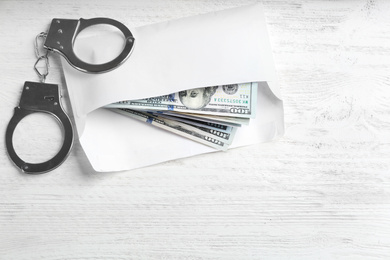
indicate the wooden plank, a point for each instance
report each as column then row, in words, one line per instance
column 322, row 191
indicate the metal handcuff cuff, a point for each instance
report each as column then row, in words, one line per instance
column 44, row 97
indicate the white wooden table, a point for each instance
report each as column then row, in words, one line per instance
column 321, row 192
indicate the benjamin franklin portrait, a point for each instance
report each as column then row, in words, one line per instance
column 197, row 98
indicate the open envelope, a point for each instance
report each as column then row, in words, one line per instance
column 218, row 48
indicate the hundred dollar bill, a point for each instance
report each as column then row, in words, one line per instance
column 218, row 135
column 214, row 126
column 236, row 100
column 179, row 128
column 220, row 132
column 226, row 120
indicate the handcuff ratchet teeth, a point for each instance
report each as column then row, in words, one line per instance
column 43, row 97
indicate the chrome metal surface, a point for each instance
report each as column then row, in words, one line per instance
column 40, row 97
column 63, row 32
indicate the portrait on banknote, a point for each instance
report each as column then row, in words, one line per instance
column 235, row 100
column 197, row 98
column 209, row 115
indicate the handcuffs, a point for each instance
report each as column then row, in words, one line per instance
column 44, row 97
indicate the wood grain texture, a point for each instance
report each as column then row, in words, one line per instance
column 321, row 192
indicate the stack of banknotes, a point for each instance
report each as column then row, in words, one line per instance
column 209, row 115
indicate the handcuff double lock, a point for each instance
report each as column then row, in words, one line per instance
column 44, row 97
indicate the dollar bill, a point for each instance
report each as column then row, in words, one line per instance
column 213, row 126
column 236, row 100
column 226, row 120
column 224, row 137
column 220, row 132
column 179, row 128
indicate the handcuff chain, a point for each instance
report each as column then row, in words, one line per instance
column 44, row 57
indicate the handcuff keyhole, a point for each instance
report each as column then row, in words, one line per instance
column 49, row 98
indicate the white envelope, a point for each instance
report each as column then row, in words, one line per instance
column 225, row 47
